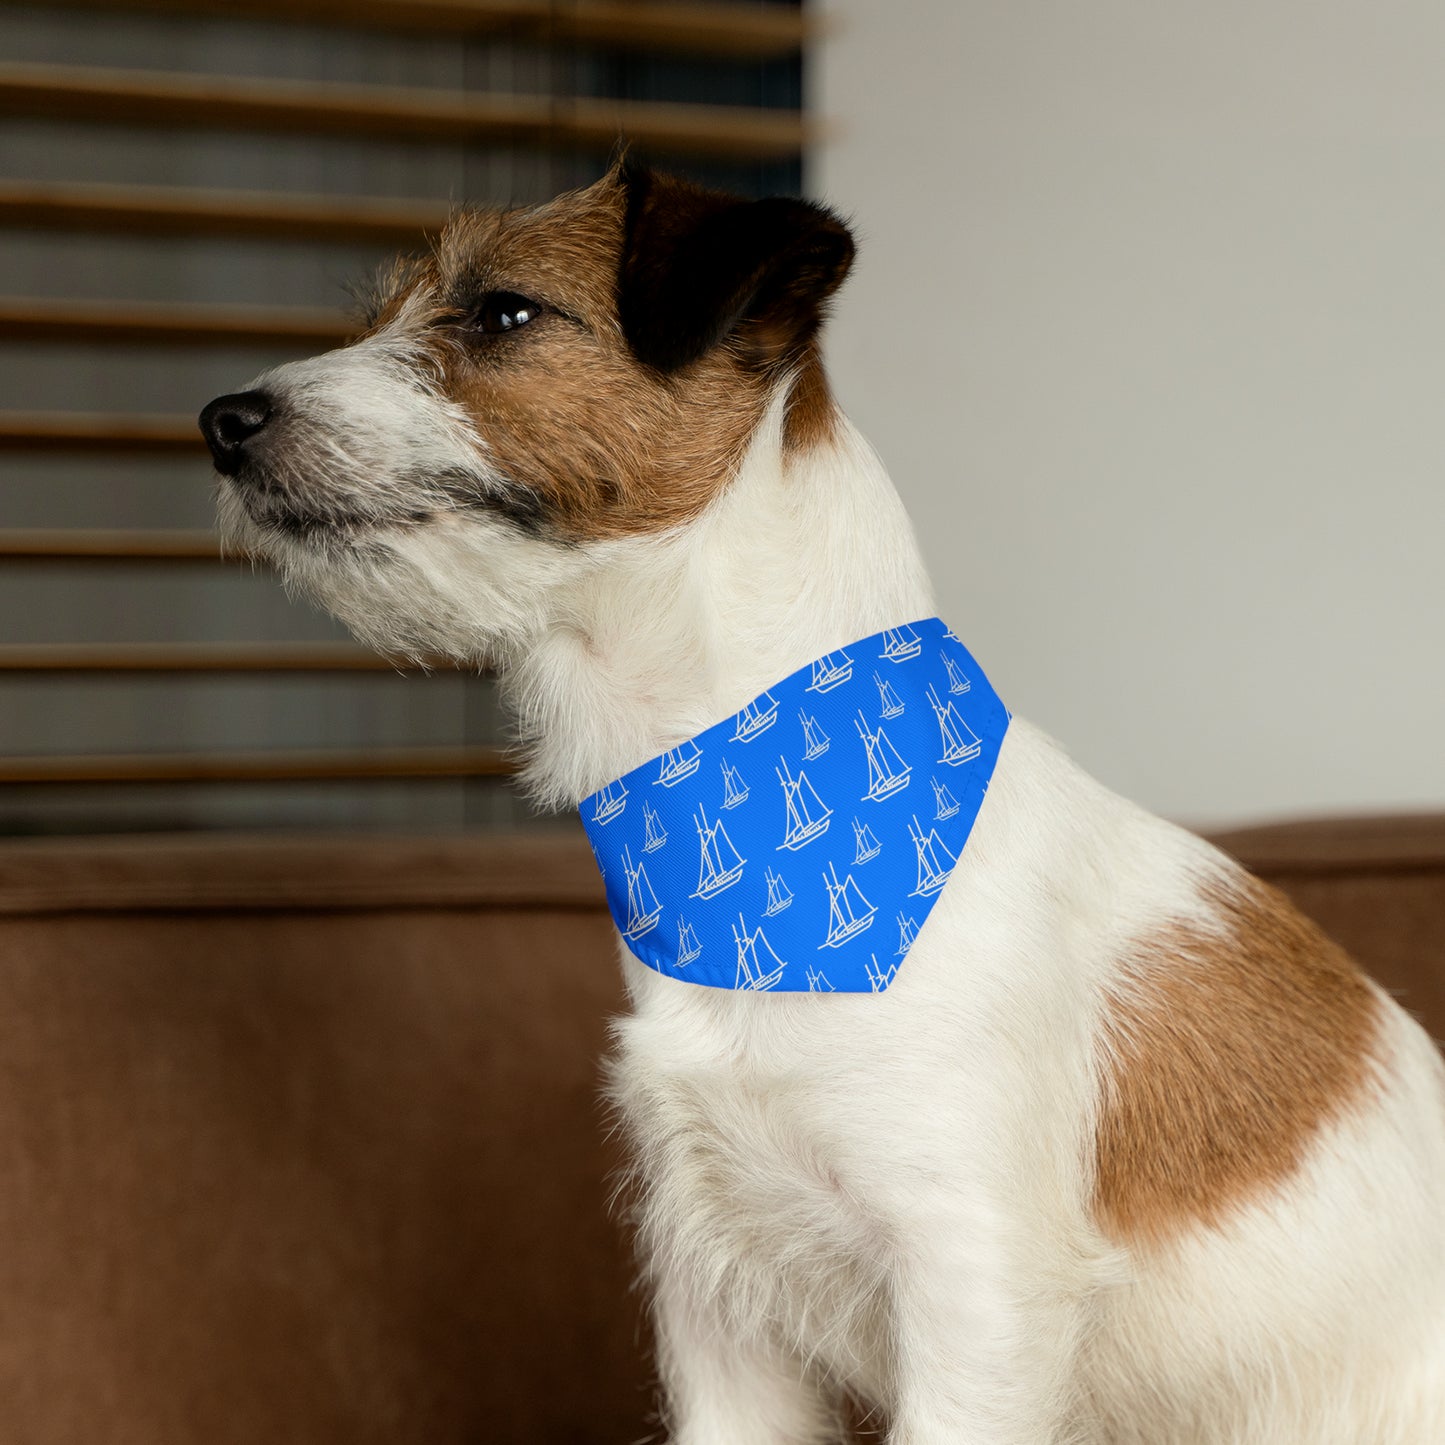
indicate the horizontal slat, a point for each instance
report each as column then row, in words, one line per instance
column 699, row 29
column 259, row 767
column 84, row 431
column 75, row 544
column 174, row 210
column 551, row 868
column 129, row 657
column 171, row 323
column 218, row 102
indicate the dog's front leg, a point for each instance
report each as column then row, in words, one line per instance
column 723, row 1388
column 984, row 1349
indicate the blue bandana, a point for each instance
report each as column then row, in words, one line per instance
column 800, row 845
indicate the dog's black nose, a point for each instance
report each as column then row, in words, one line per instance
column 229, row 422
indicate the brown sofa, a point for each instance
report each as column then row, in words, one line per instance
column 301, row 1138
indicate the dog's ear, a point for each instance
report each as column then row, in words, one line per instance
column 699, row 266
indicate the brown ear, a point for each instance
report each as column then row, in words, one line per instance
column 699, row 266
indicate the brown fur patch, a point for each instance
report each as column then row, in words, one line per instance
column 812, row 413
column 607, row 445
column 601, row 444
column 1226, row 1053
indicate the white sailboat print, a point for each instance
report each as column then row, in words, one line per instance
column 889, row 700
column 722, row 864
column 887, row 772
column 656, row 833
column 868, row 846
column 808, row 815
column 643, row 906
column 957, row 682
column 779, row 895
column 815, row 740
column 900, row 643
column 755, row 959
column 830, row 670
column 757, row 717
column 688, row 948
column 611, row 800
column 960, row 742
column 935, row 862
column 878, row 976
column 679, row 763
column 907, row 932
column 735, row 791
column 849, row 912
column 947, row 803
column 818, row 982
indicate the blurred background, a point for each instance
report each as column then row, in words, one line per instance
column 187, row 191
column 1146, row 323
column 1149, row 324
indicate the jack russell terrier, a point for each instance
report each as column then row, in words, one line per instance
column 1112, row 1146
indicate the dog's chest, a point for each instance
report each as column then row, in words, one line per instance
column 746, row 1183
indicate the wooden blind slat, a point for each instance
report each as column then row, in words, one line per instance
column 134, row 657
column 171, row 323
column 217, row 102
column 259, row 767
column 76, row 544
column 98, row 432
column 79, row 431
column 175, row 210
column 708, row 29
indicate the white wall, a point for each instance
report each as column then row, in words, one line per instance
column 1149, row 324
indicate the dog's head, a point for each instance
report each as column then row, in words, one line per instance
column 546, row 382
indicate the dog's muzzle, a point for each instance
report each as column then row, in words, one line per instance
column 230, row 422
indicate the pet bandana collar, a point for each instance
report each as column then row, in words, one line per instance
column 800, row 844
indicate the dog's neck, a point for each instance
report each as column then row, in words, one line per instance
column 803, row 553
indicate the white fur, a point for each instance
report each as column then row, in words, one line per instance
column 890, row 1194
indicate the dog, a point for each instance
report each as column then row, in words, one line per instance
column 1128, row 1152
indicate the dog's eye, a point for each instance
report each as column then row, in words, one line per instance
column 504, row 311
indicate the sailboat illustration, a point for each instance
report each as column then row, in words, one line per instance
column 611, row 800
column 960, row 742
column 688, row 948
column 818, row 982
column 656, row 833
column 935, row 862
column 643, row 906
column 887, row 772
column 878, row 976
column 891, row 703
column 679, row 763
column 722, row 864
column 957, row 682
column 815, row 740
column 779, row 896
column 849, row 912
column 907, row 932
column 947, row 803
column 868, row 846
column 900, row 643
column 830, row 670
column 755, row 957
column 808, row 815
column 735, row 791
column 757, row 717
